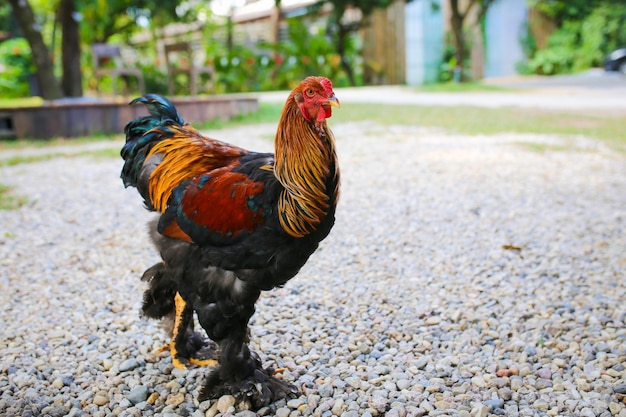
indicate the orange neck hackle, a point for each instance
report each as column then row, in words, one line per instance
column 304, row 156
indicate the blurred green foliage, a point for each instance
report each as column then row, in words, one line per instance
column 448, row 68
column 282, row 65
column 561, row 10
column 118, row 20
column 16, row 66
column 587, row 31
column 310, row 49
column 310, row 53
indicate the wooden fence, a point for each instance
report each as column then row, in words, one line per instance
column 384, row 55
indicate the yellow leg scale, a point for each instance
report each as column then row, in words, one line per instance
column 179, row 308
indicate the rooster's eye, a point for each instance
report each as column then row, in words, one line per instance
column 310, row 92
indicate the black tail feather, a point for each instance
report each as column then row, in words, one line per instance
column 160, row 108
column 141, row 134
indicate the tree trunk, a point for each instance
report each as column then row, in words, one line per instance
column 48, row 85
column 342, row 35
column 229, row 32
column 72, row 81
column 456, row 23
column 275, row 18
column 275, row 21
column 477, row 53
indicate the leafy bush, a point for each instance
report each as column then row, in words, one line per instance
column 601, row 33
column 448, row 65
column 15, row 67
column 580, row 44
column 303, row 54
column 307, row 53
column 558, row 55
column 154, row 79
column 529, row 47
column 241, row 70
column 282, row 65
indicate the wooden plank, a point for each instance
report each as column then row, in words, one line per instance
column 69, row 120
column 384, row 52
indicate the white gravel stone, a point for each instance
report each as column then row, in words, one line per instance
column 463, row 274
column 225, row 403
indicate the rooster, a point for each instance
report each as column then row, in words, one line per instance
column 231, row 223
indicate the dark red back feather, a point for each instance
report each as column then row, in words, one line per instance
column 221, row 202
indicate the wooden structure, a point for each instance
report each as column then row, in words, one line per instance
column 540, row 26
column 384, row 55
column 180, row 60
column 257, row 21
column 102, row 55
column 72, row 118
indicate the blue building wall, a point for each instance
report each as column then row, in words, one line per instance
column 505, row 26
column 424, row 41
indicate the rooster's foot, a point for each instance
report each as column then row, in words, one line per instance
column 260, row 389
column 180, row 361
column 187, row 346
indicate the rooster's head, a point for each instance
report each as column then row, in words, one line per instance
column 315, row 97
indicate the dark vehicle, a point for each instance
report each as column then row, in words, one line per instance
column 616, row 61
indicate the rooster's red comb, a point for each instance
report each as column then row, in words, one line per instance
column 326, row 84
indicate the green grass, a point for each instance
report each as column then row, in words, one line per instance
column 452, row 87
column 487, row 121
column 544, row 147
column 8, row 201
column 26, row 159
column 55, row 142
column 103, row 153
column 267, row 113
column 478, row 120
column 469, row 120
column 12, row 103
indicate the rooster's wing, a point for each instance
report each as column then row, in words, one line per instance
column 223, row 206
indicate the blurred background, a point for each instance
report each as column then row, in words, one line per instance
column 53, row 49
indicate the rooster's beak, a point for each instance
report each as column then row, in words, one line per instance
column 333, row 101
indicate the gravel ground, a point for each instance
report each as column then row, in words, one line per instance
column 466, row 276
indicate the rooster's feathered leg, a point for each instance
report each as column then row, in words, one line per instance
column 162, row 301
column 240, row 372
column 185, row 342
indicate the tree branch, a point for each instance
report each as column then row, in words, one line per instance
column 46, row 80
column 483, row 10
column 470, row 5
column 454, row 8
